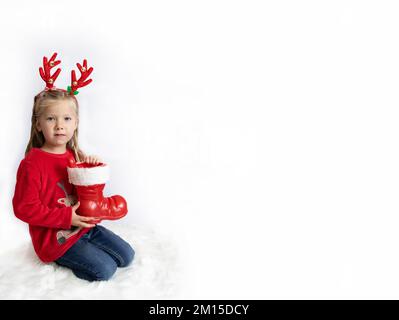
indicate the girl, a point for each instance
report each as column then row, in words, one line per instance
column 46, row 200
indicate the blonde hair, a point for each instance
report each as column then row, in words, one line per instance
column 41, row 101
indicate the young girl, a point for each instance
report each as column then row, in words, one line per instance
column 46, row 200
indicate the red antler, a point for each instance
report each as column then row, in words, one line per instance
column 81, row 82
column 45, row 71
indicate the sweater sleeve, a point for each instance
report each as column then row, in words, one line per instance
column 28, row 206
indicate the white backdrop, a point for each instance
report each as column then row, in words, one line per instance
column 261, row 135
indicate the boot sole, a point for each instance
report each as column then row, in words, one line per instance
column 99, row 219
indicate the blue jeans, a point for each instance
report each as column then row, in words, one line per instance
column 97, row 254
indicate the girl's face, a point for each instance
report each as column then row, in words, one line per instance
column 58, row 123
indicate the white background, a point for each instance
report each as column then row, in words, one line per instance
column 261, row 135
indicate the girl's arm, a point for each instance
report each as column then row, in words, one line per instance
column 28, row 206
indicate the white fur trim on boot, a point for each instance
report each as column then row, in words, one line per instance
column 88, row 176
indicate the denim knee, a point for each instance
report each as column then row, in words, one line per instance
column 128, row 256
column 105, row 271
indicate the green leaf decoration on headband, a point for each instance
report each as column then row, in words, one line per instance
column 69, row 90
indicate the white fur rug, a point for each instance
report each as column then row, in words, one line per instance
column 154, row 273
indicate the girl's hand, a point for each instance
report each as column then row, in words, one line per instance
column 92, row 159
column 80, row 221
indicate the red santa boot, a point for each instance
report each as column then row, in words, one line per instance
column 89, row 181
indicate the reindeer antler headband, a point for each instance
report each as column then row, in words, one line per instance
column 75, row 83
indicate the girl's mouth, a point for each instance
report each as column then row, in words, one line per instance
column 59, row 135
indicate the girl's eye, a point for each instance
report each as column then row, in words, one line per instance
column 67, row 118
column 49, row 118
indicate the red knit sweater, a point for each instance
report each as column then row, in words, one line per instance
column 42, row 199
